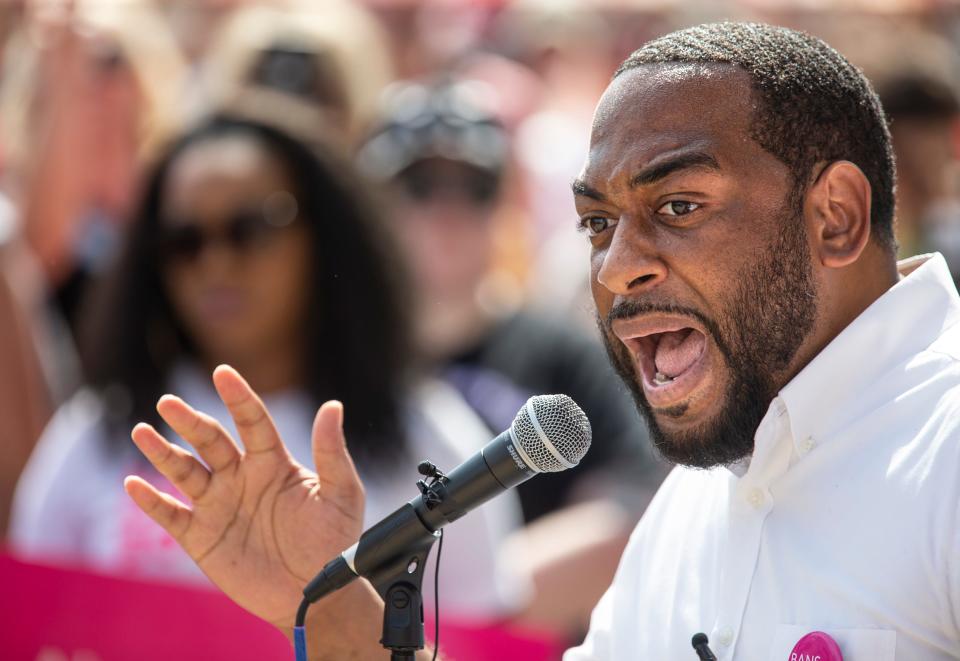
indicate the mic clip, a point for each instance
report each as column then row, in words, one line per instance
column 434, row 491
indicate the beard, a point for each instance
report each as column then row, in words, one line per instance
column 771, row 312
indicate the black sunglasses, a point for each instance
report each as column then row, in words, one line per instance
column 478, row 188
column 184, row 241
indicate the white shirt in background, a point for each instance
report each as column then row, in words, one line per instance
column 70, row 507
column 845, row 520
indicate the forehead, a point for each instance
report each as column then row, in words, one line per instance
column 224, row 156
column 657, row 110
column 222, row 170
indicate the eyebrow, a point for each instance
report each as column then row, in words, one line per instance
column 654, row 173
column 690, row 160
column 580, row 187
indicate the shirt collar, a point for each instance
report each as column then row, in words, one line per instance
column 904, row 321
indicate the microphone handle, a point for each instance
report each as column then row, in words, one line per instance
column 497, row 467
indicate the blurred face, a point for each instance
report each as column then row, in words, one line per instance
column 925, row 151
column 444, row 211
column 114, row 126
column 236, row 253
column 701, row 270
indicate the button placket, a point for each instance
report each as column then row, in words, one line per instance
column 750, row 504
column 745, row 534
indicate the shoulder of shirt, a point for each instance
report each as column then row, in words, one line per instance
column 74, row 436
column 948, row 344
column 945, row 396
column 945, row 375
column 81, row 416
column 70, row 451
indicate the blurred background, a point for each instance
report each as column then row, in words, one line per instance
column 366, row 201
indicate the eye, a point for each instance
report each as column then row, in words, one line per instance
column 678, row 208
column 596, row 225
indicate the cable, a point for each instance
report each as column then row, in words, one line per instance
column 299, row 634
column 302, row 612
column 436, row 599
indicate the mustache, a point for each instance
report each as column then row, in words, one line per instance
column 634, row 307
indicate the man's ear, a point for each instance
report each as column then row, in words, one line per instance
column 837, row 212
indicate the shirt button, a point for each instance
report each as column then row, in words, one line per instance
column 807, row 445
column 756, row 498
column 725, row 636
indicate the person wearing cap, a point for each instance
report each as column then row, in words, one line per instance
column 445, row 159
column 738, row 198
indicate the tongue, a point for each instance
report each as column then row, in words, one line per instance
column 678, row 350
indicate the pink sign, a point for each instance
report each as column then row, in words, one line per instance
column 816, row 646
column 53, row 614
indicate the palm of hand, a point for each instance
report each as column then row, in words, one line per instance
column 269, row 521
column 261, row 525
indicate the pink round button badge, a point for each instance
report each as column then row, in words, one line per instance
column 816, row 646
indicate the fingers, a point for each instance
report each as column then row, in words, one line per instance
column 208, row 436
column 253, row 422
column 176, row 464
column 172, row 515
column 332, row 461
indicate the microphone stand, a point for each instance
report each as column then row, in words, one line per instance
column 399, row 583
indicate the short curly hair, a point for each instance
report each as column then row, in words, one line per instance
column 812, row 105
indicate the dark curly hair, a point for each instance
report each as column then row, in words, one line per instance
column 812, row 104
column 358, row 348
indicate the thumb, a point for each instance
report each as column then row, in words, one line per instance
column 331, row 458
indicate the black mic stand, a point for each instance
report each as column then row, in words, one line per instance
column 399, row 584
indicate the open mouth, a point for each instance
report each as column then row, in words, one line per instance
column 672, row 353
column 671, row 357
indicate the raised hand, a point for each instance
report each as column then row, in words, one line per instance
column 261, row 525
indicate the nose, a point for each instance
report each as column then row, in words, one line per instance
column 631, row 263
column 218, row 256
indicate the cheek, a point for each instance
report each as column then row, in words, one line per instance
column 279, row 281
column 181, row 289
column 448, row 255
column 602, row 297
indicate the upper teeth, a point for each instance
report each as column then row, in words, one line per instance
column 661, row 378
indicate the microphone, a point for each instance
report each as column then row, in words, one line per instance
column 701, row 646
column 549, row 434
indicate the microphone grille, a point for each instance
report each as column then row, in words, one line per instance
column 553, row 432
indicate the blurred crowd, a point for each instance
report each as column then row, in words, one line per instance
column 363, row 201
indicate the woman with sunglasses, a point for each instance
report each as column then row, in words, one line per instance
column 250, row 248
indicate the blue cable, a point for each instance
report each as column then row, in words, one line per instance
column 299, row 643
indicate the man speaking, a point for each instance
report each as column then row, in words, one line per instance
column 738, row 197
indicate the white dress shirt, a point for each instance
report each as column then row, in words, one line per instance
column 846, row 519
